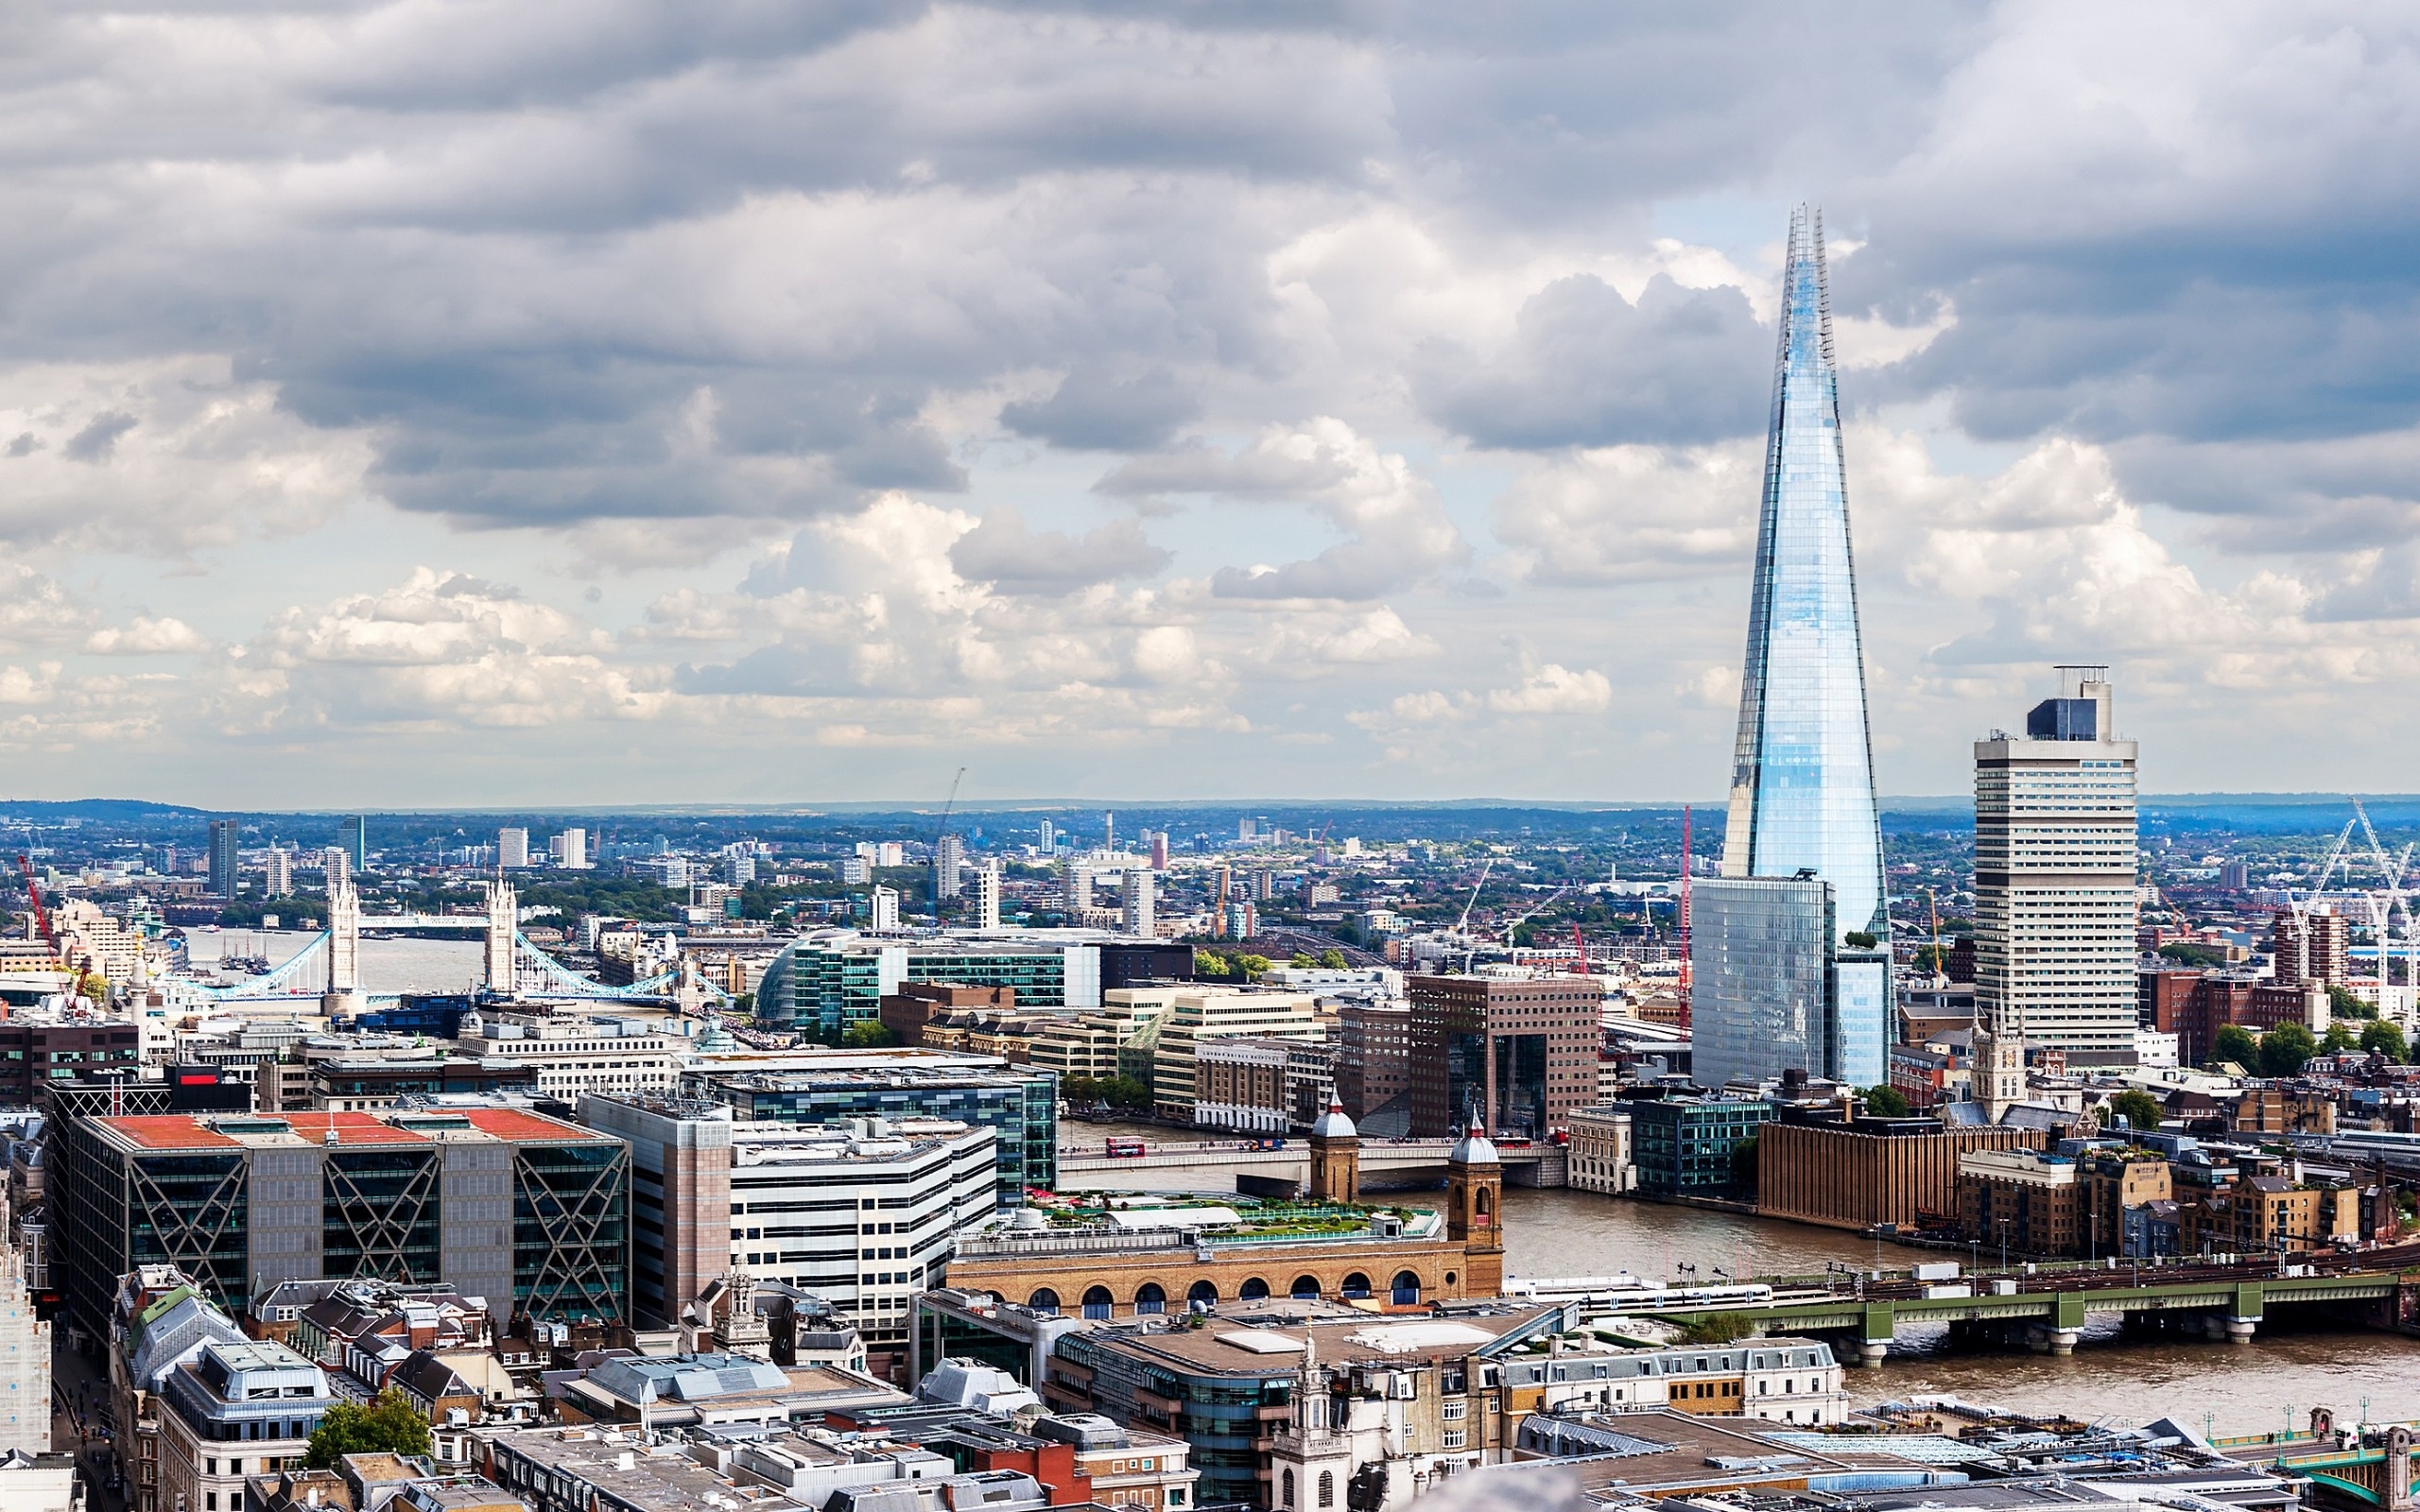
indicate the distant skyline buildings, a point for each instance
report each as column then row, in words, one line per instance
column 1802, row 779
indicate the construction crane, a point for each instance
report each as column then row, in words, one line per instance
column 2300, row 908
column 941, row 833
column 42, row 915
column 1581, row 946
column 1462, row 925
column 2384, row 904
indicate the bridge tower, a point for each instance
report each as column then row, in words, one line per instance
column 1475, row 1210
column 1336, row 1156
column 504, row 925
column 344, row 951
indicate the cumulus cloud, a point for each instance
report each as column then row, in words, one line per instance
column 146, row 636
column 1588, row 368
column 1399, row 533
column 1002, row 551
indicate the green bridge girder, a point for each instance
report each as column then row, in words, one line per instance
column 2065, row 1308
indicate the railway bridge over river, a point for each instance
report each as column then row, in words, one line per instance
column 2045, row 1306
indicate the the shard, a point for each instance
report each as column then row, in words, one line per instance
column 1801, row 777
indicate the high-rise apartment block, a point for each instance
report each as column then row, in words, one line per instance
column 882, row 910
column 279, row 869
column 225, row 838
column 986, row 896
column 1141, row 914
column 2054, row 878
column 336, row 866
column 1078, row 896
column 2315, row 947
column 569, row 849
column 512, row 847
column 1804, row 838
column 949, row 867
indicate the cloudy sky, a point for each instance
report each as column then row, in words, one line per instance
column 500, row 402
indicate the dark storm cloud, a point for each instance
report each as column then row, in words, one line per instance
column 1587, row 368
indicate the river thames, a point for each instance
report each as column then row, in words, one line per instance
column 2230, row 1388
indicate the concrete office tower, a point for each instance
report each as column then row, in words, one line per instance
column 336, row 865
column 1802, row 776
column 986, row 896
column 1160, row 850
column 224, row 838
column 1049, row 841
column 1079, row 888
column 572, row 849
column 504, row 925
column 883, row 910
column 280, row 867
column 512, row 847
column 2054, row 877
column 353, row 834
column 1141, row 916
column 949, row 867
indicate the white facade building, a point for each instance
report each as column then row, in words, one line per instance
column 1601, row 1158
column 883, row 910
column 1141, row 916
column 2054, row 878
column 986, row 896
column 576, row 1055
column 512, row 847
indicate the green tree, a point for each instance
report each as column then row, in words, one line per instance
column 1859, row 940
column 2342, row 1003
column 2185, row 953
column 1250, row 967
column 2285, row 1049
column 1743, row 1164
column 869, row 1034
column 2338, row 1036
column 387, row 1426
column 2235, row 1042
column 1332, row 960
column 2380, row 1038
column 1303, row 960
column 2139, row 1108
column 1885, row 1102
column 1212, row 964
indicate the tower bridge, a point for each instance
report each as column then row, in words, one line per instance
column 514, row 967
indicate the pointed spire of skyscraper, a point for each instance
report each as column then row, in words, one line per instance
column 1801, row 780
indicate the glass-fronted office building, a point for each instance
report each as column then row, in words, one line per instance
column 1802, row 781
column 1773, row 991
column 829, row 981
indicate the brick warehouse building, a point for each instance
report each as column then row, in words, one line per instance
column 1900, row 1171
column 1523, row 1053
column 530, row 1212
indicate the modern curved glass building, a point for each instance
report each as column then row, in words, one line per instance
column 1780, row 983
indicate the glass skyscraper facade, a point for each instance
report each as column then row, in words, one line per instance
column 1801, row 780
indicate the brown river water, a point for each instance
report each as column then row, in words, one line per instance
column 2226, row 1388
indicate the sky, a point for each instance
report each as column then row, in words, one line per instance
column 499, row 402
